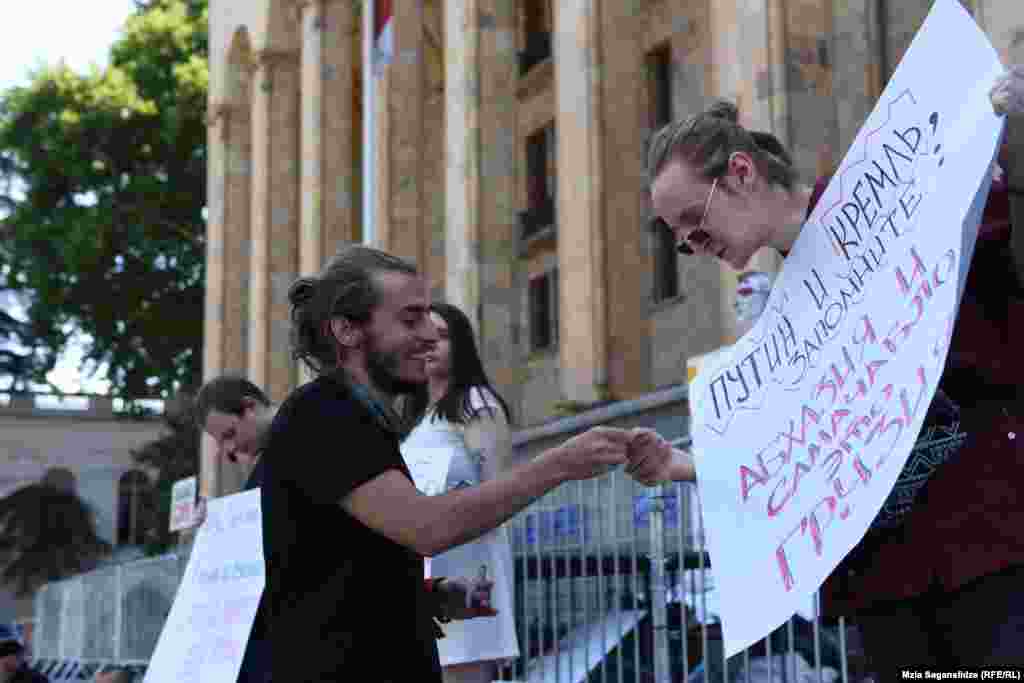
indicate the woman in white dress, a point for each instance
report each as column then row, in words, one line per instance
column 460, row 439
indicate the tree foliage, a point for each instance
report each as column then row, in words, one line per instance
column 17, row 364
column 174, row 456
column 102, row 193
column 47, row 533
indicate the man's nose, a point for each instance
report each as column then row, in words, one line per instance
column 428, row 333
column 683, row 246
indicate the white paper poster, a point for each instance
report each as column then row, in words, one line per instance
column 802, row 428
column 204, row 637
column 428, row 467
column 183, row 503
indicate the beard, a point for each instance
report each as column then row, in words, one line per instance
column 382, row 368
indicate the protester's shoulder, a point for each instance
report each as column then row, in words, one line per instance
column 324, row 394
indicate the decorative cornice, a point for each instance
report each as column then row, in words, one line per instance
column 273, row 58
column 217, row 112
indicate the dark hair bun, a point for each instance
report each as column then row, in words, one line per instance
column 302, row 291
column 723, row 109
column 769, row 143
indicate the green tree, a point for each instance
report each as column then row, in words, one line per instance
column 47, row 533
column 174, row 456
column 16, row 365
column 102, row 196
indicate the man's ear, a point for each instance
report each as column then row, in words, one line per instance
column 742, row 168
column 347, row 334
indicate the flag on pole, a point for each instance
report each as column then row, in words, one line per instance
column 383, row 35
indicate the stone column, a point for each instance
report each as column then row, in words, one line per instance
column 275, row 216
column 236, row 239
column 499, row 225
column 213, row 316
column 857, row 69
column 329, row 198
column 481, row 232
column 328, row 195
column 622, row 114
column 581, row 231
column 462, row 148
column 401, row 146
column 230, row 186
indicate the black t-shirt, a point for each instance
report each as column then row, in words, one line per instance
column 255, row 662
column 343, row 602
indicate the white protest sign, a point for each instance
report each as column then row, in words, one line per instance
column 183, row 503
column 428, row 467
column 204, row 637
column 802, row 427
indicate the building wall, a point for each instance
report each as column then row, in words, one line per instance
column 454, row 115
column 83, row 438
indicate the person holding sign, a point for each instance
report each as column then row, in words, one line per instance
column 237, row 414
column 460, row 438
column 947, row 586
column 345, row 530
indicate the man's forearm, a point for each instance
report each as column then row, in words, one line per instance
column 460, row 516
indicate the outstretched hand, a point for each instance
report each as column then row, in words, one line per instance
column 650, row 457
column 592, row 453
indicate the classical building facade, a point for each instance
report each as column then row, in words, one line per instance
column 510, row 165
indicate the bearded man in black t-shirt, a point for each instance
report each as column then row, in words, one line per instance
column 344, row 529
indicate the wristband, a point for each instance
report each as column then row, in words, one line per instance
column 434, row 588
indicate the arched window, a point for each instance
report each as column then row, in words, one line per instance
column 133, row 493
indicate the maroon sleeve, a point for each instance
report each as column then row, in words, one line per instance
column 988, row 329
column 819, row 189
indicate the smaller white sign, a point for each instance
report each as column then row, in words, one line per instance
column 429, row 468
column 183, row 503
column 204, row 637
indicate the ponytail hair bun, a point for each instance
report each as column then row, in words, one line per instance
column 725, row 110
column 301, row 292
column 769, row 143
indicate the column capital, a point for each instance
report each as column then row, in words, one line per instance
column 217, row 112
column 303, row 5
column 271, row 59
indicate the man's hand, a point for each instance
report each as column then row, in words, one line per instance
column 463, row 598
column 650, row 457
column 592, row 453
column 653, row 460
column 1007, row 94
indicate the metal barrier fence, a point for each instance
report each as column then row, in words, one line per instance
column 112, row 615
column 612, row 585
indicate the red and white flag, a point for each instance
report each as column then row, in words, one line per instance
column 383, row 35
